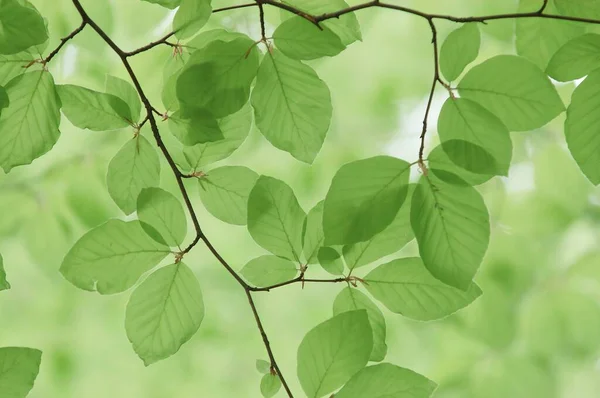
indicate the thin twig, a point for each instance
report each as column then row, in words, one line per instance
column 436, row 78
column 299, row 279
column 151, row 45
column 64, row 41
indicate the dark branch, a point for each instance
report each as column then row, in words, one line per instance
column 151, row 45
column 64, row 41
column 299, row 279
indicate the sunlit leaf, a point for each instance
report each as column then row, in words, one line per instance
column 269, row 270
column 449, row 172
column 21, row 27
column 171, row 4
column 4, row 285
column 263, row 366
column 576, row 59
column 299, row 38
column 125, row 91
column 162, row 212
column 195, row 126
column 406, row 287
column 313, row 234
column 460, row 48
column 11, row 66
column 331, row 260
column 579, row 8
column 270, row 385
column 333, row 351
column 191, row 16
column 20, row 367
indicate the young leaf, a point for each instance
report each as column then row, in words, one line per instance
column 291, row 120
column 452, row 227
column 313, row 234
column 29, row 125
column 582, row 127
column 301, row 39
column 4, row 285
column 22, row 27
column 217, row 77
column 263, row 366
column 576, row 59
column 514, row 90
column 112, row 257
column 275, row 218
column 164, row 312
column 460, row 48
column 170, row 4
column 334, row 351
column 20, row 367
column 579, row 8
column 363, row 199
column 89, row 109
column 160, row 211
column 136, row 166
column 195, row 126
column 351, row 299
column 269, row 270
column 448, row 171
column 224, row 192
column 331, row 260
column 125, row 91
column 474, row 138
column 405, row 287
column 270, row 385
column 191, row 16
column 387, row 381
column 388, row 241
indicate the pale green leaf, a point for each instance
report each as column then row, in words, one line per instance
column 112, row 257
column 22, row 26
column 19, row 369
column 191, row 16
column 299, row 38
column 460, row 48
column 405, row 287
column 289, row 118
column 263, row 366
column 125, row 91
column 4, row 285
column 161, row 212
column 171, row 4
column 331, row 260
column 136, row 166
column 351, row 299
column 579, row 8
column 195, row 126
column 473, row 138
column 575, row 59
column 12, row 66
column 89, row 109
column 275, row 219
column 582, row 126
column 448, row 171
column 224, row 192
column 451, row 224
column 513, row 89
column 388, row 241
column 363, row 199
column 270, row 385
column 164, row 312
column 29, row 125
column 313, row 234
column 333, row 351
column 387, row 381
column 269, row 270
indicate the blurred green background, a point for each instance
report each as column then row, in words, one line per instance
column 534, row 333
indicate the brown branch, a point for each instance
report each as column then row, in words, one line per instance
column 299, row 279
column 436, row 79
column 151, row 45
column 262, row 21
column 64, row 41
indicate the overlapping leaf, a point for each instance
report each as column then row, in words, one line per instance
column 269, row 270
column 22, row 27
column 125, row 91
column 460, row 48
column 449, row 172
column 331, row 260
column 576, row 59
column 19, row 369
column 313, row 234
column 195, row 126
column 299, row 38
column 161, row 212
column 191, row 16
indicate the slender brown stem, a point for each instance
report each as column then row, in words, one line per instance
column 149, row 46
column 64, row 41
column 262, row 21
column 299, row 279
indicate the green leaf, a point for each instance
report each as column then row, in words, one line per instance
column 351, row 299
column 452, row 227
column 20, row 367
column 576, row 59
column 89, row 109
column 513, row 89
column 537, row 39
column 460, row 48
column 275, row 219
column 111, row 258
column 300, row 39
column 263, row 366
column 269, row 270
column 164, row 312
column 217, row 77
column 333, row 351
column 582, row 127
column 474, row 138
column 161, row 212
column 449, row 172
column 136, row 166
column 390, row 240
column 12, row 66
column 387, row 381
column 363, row 199
column 22, row 26
column 291, row 120
column 195, row 126
column 29, row 125
column 270, row 385
column 170, row 4
column 4, row 285
column 4, row 100
column 579, row 8
column 235, row 129
column 405, row 287
column 224, row 192
column 125, row 91
column 313, row 234
column 191, row 16
column 331, row 260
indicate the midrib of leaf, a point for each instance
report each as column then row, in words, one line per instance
column 29, row 104
column 280, row 219
column 481, row 144
column 514, row 97
column 225, row 189
column 165, row 224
